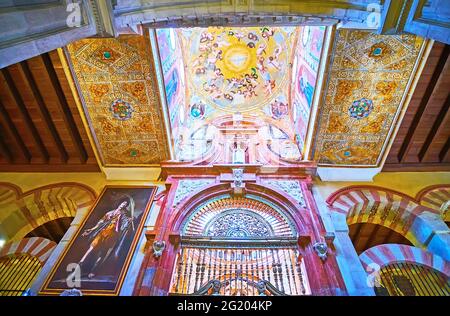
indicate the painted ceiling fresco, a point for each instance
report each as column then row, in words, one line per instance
column 237, row 69
column 308, row 50
column 367, row 79
column 217, row 71
column 118, row 85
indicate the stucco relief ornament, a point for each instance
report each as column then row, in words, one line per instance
column 185, row 187
column 237, row 177
column 291, row 187
column 158, row 248
column 321, row 249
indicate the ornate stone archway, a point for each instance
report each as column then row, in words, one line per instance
column 421, row 225
column 25, row 211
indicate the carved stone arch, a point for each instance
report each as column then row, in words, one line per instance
column 436, row 197
column 254, row 216
column 377, row 205
column 383, row 255
column 215, row 225
column 287, row 206
column 25, row 211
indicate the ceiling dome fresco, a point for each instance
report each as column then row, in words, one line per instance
column 237, row 69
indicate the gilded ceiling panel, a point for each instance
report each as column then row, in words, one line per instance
column 117, row 81
column 367, row 79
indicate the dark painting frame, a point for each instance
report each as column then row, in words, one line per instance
column 120, row 230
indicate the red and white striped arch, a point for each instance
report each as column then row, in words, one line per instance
column 377, row 205
column 390, row 253
column 436, row 197
column 22, row 212
column 38, row 247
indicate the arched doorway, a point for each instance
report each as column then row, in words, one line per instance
column 401, row 270
column 21, row 262
column 17, row 273
column 239, row 246
column 411, row 279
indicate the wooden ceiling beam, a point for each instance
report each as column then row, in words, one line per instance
column 371, row 237
column 25, row 115
column 388, row 236
column 56, row 230
column 444, row 155
column 67, row 115
column 4, row 151
column 436, row 129
column 408, row 140
column 44, row 111
column 16, row 136
column 357, row 236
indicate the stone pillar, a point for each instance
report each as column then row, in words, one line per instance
column 323, row 274
column 432, row 233
column 352, row 271
column 149, row 265
column 355, row 277
column 164, row 271
column 57, row 252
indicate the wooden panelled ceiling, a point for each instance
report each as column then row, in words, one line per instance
column 40, row 126
column 366, row 235
column 423, row 140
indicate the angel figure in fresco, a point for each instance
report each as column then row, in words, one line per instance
column 269, row 85
column 278, row 50
column 108, row 235
column 261, row 49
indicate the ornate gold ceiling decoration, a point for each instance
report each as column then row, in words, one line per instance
column 117, row 82
column 367, row 79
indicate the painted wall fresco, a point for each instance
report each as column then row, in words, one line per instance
column 367, row 79
column 304, row 76
column 118, row 85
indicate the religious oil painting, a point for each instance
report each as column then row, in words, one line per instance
column 99, row 254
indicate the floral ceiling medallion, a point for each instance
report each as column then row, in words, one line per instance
column 378, row 50
column 121, row 110
column 360, row 108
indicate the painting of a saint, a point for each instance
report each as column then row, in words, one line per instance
column 100, row 251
